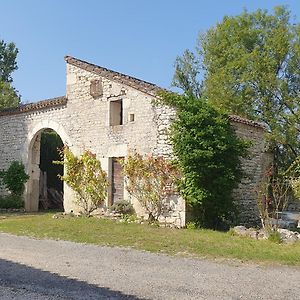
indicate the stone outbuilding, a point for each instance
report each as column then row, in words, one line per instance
column 112, row 114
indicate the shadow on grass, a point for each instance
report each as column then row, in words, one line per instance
column 19, row 281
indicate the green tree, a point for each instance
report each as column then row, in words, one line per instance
column 251, row 67
column 208, row 154
column 8, row 95
column 186, row 73
column 8, row 64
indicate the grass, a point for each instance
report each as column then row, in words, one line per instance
column 197, row 243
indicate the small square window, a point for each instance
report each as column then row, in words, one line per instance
column 131, row 117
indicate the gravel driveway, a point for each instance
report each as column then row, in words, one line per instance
column 46, row 269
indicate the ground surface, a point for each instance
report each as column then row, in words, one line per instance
column 47, row 269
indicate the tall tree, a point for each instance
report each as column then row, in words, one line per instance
column 251, row 65
column 8, row 95
column 8, row 64
column 186, row 73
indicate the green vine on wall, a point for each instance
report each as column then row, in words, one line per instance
column 208, row 154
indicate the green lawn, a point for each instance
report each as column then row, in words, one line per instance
column 200, row 243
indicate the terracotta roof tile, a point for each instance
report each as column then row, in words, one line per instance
column 239, row 119
column 141, row 85
column 48, row 103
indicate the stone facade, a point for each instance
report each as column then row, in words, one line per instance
column 85, row 119
column 254, row 166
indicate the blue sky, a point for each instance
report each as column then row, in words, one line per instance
column 135, row 37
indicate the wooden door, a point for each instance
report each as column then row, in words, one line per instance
column 117, row 180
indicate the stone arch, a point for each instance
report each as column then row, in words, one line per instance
column 31, row 159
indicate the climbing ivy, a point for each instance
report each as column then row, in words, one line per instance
column 208, row 154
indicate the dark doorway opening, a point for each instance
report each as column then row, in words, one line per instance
column 51, row 186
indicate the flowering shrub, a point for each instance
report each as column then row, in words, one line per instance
column 85, row 176
column 151, row 180
column 272, row 198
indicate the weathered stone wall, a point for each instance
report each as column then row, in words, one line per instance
column 83, row 123
column 254, row 166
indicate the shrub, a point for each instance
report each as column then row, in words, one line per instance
column 123, row 207
column 85, row 176
column 274, row 236
column 191, row 225
column 151, row 180
column 11, row 201
column 129, row 218
column 14, row 178
column 208, row 153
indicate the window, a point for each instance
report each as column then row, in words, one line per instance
column 131, row 117
column 116, row 113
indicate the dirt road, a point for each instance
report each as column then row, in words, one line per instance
column 46, row 269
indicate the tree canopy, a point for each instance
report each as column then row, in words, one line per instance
column 251, row 67
column 8, row 95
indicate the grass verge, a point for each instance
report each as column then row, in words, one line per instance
column 200, row 243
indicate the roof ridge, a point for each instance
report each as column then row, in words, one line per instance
column 139, row 84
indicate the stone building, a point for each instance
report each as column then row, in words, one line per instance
column 111, row 114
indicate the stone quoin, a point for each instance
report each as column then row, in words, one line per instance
column 111, row 114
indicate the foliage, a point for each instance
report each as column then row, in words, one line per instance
column 129, row 218
column 186, row 70
column 85, row 176
column 191, row 225
column 14, row 178
column 274, row 236
column 251, row 68
column 123, row 207
column 272, row 198
column 8, row 95
column 151, row 180
column 208, row 154
column 8, row 64
column 11, row 201
column 295, row 185
column 293, row 173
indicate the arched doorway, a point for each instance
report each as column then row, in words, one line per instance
column 44, row 190
column 50, row 184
